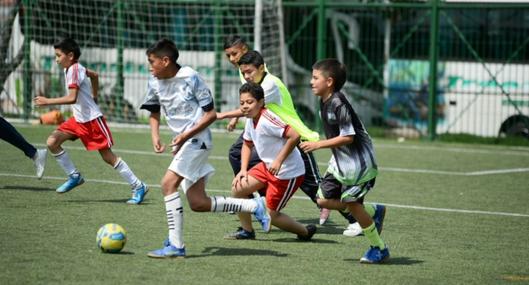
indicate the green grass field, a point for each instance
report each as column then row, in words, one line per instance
column 456, row 214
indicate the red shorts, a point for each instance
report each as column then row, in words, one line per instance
column 278, row 191
column 94, row 134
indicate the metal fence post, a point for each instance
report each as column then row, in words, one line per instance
column 27, row 74
column 321, row 52
column 120, row 82
column 432, row 84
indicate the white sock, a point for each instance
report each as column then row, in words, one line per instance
column 238, row 205
column 175, row 218
column 127, row 174
column 65, row 162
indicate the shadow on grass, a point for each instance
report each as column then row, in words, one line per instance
column 225, row 251
column 26, row 188
column 313, row 240
column 120, row 201
column 119, row 253
column 400, row 260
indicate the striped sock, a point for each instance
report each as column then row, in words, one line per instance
column 175, row 219
column 238, row 205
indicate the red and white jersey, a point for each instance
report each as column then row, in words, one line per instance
column 268, row 138
column 85, row 108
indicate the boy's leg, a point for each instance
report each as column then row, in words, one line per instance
column 54, row 142
column 175, row 218
column 12, row 136
column 378, row 252
column 139, row 189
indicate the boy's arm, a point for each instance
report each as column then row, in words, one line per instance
column 206, row 120
column 154, row 122
column 71, row 98
column 94, row 79
column 237, row 113
column 246, row 151
column 292, row 140
column 329, row 143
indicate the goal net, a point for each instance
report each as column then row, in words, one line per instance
column 114, row 35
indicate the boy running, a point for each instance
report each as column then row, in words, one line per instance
column 189, row 109
column 87, row 123
column 352, row 168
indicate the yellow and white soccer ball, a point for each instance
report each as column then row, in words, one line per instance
column 111, row 238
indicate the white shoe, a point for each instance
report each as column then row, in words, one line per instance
column 39, row 160
column 353, row 230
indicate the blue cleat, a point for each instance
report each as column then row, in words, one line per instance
column 378, row 218
column 375, row 255
column 261, row 214
column 138, row 194
column 73, row 181
column 241, row 234
column 168, row 251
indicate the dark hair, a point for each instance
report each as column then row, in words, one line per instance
column 164, row 47
column 333, row 68
column 233, row 40
column 253, row 88
column 252, row 57
column 68, row 45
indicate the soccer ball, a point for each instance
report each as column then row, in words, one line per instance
column 111, row 238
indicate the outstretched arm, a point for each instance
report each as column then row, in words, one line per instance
column 71, row 98
column 329, row 143
column 237, row 113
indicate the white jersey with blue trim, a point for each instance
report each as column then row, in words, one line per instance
column 182, row 98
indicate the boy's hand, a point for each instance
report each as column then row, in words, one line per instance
column 232, row 124
column 177, row 142
column 241, row 177
column 158, row 146
column 40, row 101
column 274, row 167
column 309, row 146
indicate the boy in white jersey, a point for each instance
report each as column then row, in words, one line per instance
column 87, row 123
column 281, row 171
column 189, row 109
column 352, row 168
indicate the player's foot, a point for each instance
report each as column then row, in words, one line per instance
column 168, row 251
column 261, row 214
column 353, row 230
column 324, row 215
column 378, row 218
column 73, row 181
column 39, row 160
column 311, row 229
column 138, row 194
column 241, row 234
column 375, row 255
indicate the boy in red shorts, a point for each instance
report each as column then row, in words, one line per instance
column 87, row 123
column 281, row 171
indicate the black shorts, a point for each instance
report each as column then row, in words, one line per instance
column 331, row 188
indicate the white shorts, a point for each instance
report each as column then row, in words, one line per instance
column 191, row 163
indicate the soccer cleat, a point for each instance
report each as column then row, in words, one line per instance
column 311, row 229
column 138, row 194
column 73, row 181
column 168, row 251
column 39, row 160
column 378, row 218
column 261, row 214
column 375, row 255
column 353, row 230
column 324, row 215
column 241, row 234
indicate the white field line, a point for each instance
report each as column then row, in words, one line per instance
column 390, row 169
column 297, row 197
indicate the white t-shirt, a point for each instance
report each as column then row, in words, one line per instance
column 268, row 139
column 85, row 108
column 182, row 99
